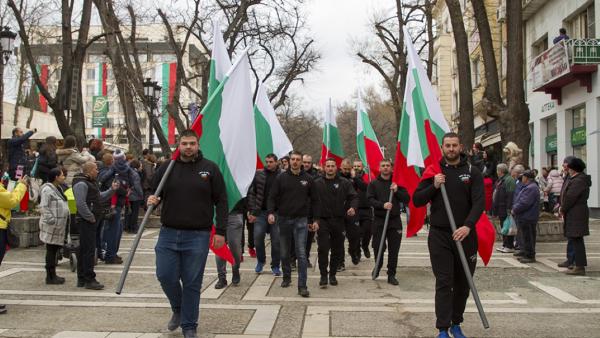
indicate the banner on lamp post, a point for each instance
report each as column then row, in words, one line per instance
column 99, row 112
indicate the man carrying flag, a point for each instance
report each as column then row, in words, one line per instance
column 464, row 183
column 192, row 193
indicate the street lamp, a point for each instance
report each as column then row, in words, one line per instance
column 152, row 94
column 7, row 40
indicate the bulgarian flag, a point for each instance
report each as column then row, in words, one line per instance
column 101, row 90
column 367, row 145
column 220, row 62
column 421, row 130
column 332, row 146
column 166, row 75
column 42, row 71
column 270, row 137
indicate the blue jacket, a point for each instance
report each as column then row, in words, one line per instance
column 526, row 206
column 16, row 152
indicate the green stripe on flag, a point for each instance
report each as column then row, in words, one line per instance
column 264, row 138
column 165, row 99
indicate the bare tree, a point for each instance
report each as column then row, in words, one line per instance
column 515, row 124
column 466, row 127
column 302, row 127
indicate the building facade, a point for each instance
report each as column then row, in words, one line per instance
column 563, row 90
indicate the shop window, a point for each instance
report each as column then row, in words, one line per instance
column 578, row 133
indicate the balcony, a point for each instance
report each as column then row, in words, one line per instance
column 564, row 63
column 530, row 7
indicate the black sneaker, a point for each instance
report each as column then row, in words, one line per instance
column 189, row 333
column 332, row 280
column 355, row 260
column 525, row 260
column 392, row 280
column 286, row 282
column 323, row 282
column 174, row 322
column 367, row 252
column 309, row 265
column 341, row 267
column 221, row 283
column 2, row 309
column 80, row 283
column 235, row 279
column 564, row 264
column 303, row 291
column 93, row 285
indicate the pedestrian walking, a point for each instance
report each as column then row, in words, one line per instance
column 352, row 223
column 378, row 194
column 365, row 211
column 575, row 213
column 526, row 211
column 464, row 183
column 88, row 199
column 192, row 194
column 54, row 219
column 337, row 199
column 502, row 202
column 258, row 195
column 290, row 199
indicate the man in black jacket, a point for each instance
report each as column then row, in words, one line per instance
column 291, row 198
column 337, row 199
column 365, row 211
column 352, row 223
column 464, row 184
column 378, row 194
column 192, row 193
column 16, row 151
column 257, row 213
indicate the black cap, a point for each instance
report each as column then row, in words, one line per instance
column 529, row 174
column 576, row 164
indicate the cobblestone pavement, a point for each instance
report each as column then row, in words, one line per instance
column 521, row 300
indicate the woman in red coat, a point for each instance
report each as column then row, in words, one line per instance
column 488, row 186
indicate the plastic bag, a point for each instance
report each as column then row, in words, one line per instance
column 509, row 227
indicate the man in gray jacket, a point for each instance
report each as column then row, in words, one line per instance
column 88, row 199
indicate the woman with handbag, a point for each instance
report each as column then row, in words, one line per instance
column 53, row 221
column 8, row 200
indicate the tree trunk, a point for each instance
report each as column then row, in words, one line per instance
column 466, row 127
column 427, row 10
column 492, row 100
column 515, row 124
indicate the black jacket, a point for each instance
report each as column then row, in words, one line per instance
column 336, row 196
column 464, row 184
column 378, row 194
column 16, row 150
column 573, row 203
column 191, row 195
column 365, row 211
column 503, row 196
column 258, row 194
column 292, row 195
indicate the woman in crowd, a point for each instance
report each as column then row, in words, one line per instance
column 555, row 183
column 71, row 159
column 47, row 159
column 136, row 198
column 574, row 208
column 53, row 221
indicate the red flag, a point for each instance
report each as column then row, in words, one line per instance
column 223, row 252
column 24, row 205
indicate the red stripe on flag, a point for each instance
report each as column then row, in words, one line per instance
column 44, row 80
column 172, row 79
column 325, row 154
column 223, row 252
column 407, row 177
column 104, row 77
column 486, row 235
column 374, row 156
column 259, row 163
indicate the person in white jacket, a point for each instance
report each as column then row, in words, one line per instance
column 71, row 159
column 555, row 183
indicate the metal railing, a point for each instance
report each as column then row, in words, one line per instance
column 583, row 51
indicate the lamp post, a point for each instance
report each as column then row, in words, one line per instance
column 7, row 40
column 152, row 94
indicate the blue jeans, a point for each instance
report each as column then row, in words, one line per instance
column 260, row 229
column 112, row 234
column 235, row 228
column 180, row 260
column 293, row 228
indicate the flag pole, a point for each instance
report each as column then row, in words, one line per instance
column 138, row 236
column 375, row 271
column 463, row 260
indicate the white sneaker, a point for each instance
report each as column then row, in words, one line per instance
column 501, row 249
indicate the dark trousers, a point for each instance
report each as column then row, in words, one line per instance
column 570, row 252
column 579, row 254
column 393, row 237
column 451, row 286
column 507, row 241
column 529, row 232
column 250, row 227
column 131, row 219
column 51, row 252
column 3, row 243
column 352, row 232
column 87, row 250
column 330, row 239
column 365, row 232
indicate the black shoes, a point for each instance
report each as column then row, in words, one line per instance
column 191, row 333
column 52, row 278
column 115, row 260
column 286, row 282
column 323, row 282
column 392, row 280
column 235, row 279
column 93, row 285
column 525, row 260
column 80, row 283
column 564, row 264
column 303, row 291
column 366, row 252
column 519, row 254
column 2, row 309
column 355, row 260
column 174, row 322
column 332, row 280
column 309, row 265
column 221, row 283
column 341, row 267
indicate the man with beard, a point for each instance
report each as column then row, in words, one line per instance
column 464, row 184
column 352, row 223
column 337, row 200
column 378, row 194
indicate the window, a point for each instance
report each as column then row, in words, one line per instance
column 583, row 25
column 476, row 78
column 579, row 117
column 90, row 90
column 539, row 46
column 551, row 126
column 578, row 133
column 91, row 74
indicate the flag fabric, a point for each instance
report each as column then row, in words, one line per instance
column 421, row 130
column 223, row 252
column 42, row 70
column 270, row 136
column 101, row 90
column 367, row 145
column 220, row 62
column 332, row 145
column 166, row 75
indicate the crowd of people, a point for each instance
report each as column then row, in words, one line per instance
column 295, row 203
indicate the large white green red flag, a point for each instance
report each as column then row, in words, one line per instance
column 270, row 136
column 220, row 62
column 367, row 145
column 332, row 145
column 422, row 128
column 228, row 133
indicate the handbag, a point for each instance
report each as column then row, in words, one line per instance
column 509, row 227
column 12, row 238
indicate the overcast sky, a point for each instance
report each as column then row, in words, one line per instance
column 334, row 23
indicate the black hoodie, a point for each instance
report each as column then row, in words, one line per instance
column 292, row 195
column 192, row 194
column 336, row 196
column 464, row 185
column 378, row 194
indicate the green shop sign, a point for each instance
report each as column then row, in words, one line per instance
column 99, row 112
column 578, row 136
column 551, row 143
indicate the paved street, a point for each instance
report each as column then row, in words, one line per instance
column 534, row 300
